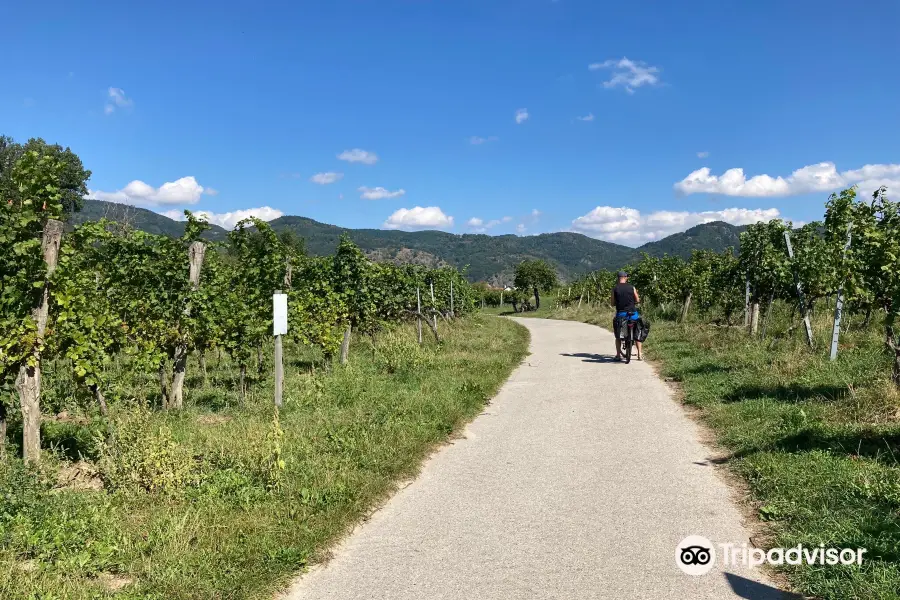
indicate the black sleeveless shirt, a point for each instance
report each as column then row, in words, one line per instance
column 624, row 295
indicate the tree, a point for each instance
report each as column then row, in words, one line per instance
column 536, row 275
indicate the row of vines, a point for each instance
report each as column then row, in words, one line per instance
column 852, row 255
column 102, row 290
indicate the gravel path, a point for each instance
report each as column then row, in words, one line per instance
column 578, row 481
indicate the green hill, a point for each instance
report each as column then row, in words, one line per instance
column 717, row 236
column 490, row 258
column 139, row 218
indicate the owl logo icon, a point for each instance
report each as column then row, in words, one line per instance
column 695, row 555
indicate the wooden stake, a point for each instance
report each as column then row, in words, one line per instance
column 419, row 312
column 196, row 253
column 802, row 298
column 839, row 305
column 452, row 311
column 433, row 305
column 28, row 383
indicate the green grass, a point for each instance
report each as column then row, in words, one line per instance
column 223, row 520
column 817, row 442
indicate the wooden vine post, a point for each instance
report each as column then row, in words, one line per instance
column 28, row 383
column 419, row 314
column 452, row 310
column 747, row 302
column 433, row 305
column 839, row 304
column 803, row 311
column 196, row 253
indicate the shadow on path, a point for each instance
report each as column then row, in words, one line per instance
column 753, row 590
column 592, row 358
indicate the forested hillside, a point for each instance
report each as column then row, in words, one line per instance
column 716, row 236
column 490, row 258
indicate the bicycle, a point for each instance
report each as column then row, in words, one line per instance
column 627, row 338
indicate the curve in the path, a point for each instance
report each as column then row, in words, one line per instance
column 578, row 481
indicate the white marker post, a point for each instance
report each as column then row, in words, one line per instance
column 279, row 328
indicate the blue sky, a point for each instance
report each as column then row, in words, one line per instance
column 248, row 102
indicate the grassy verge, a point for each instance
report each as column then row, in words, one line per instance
column 817, row 442
column 226, row 499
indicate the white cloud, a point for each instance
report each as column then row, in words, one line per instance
column 628, row 226
column 431, row 217
column 361, row 156
column 182, row 191
column 522, row 116
column 117, row 99
column 821, row 177
column 210, row 191
column 520, row 228
column 703, row 155
column 628, row 74
column 479, row 225
column 477, row 140
column 228, row 220
column 535, row 213
column 379, row 193
column 326, row 178
column 589, row 117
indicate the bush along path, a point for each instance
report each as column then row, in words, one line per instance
column 578, row 481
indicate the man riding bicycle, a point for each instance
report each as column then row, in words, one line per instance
column 624, row 298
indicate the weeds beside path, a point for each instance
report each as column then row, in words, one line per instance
column 817, row 442
column 215, row 517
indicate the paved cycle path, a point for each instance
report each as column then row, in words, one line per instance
column 578, row 481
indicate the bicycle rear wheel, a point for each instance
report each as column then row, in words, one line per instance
column 629, row 342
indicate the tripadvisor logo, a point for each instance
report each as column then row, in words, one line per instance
column 696, row 555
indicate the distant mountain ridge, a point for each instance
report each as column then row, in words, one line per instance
column 490, row 258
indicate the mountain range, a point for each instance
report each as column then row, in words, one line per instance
column 490, row 258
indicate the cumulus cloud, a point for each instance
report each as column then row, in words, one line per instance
column 228, row 220
column 522, row 116
column 116, row 99
column 628, row 226
column 379, row 193
column 520, row 228
column 703, row 155
column 479, row 225
column 358, row 156
column 821, row 177
column 182, row 191
column 477, row 140
column 588, row 117
column 326, row 178
column 431, row 217
column 210, row 191
column 629, row 74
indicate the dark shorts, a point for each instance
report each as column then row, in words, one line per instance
column 619, row 319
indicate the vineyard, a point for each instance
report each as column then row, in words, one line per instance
column 136, row 393
column 851, row 260
column 810, row 426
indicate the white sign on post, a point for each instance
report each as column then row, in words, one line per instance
column 280, row 314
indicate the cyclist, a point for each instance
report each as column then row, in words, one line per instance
column 624, row 297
